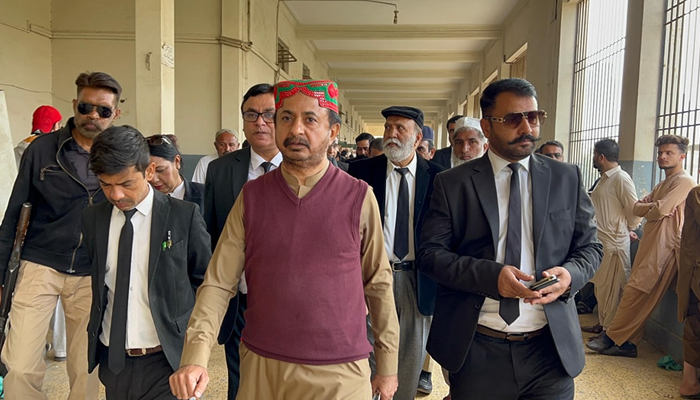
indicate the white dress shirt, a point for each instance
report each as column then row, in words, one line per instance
column 393, row 179
column 179, row 191
column 140, row 328
column 531, row 317
column 255, row 170
column 200, row 170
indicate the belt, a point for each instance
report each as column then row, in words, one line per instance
column 511, row 337
column 403, row 266
column 143, row 352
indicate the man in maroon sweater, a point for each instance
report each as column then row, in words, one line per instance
column 310, row 240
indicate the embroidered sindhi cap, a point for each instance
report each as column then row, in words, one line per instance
column 326, row 92
column 406, row 112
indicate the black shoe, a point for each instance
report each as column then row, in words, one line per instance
column 628, row 349
column 425, row 384
column 597, row 328
column 600, row 344
column 582, row 308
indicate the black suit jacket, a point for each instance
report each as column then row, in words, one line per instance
column 373, row 171
column 225, row 178
column 173, row 273
column 458, row 250
column 443, row 157
column 194, row 193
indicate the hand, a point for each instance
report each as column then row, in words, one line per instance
column 386, row 385
column 189, row 381
column 509, row 285
column 633, row 236
column 646, row 199
column 553, row 292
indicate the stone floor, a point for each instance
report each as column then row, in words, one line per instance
column 604, row 378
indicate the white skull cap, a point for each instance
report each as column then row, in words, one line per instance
column 466, row 123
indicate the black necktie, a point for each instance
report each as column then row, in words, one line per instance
column 117, row 331
column 266, row 166
column 402, row 212
column 510, row 308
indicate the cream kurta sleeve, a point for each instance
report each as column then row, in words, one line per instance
column 627, row 194
column 379, row 292
column 220, row 285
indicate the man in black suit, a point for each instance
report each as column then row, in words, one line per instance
column 148, row 253
column 225, row 177
column 487, row 238
column 444, row 156
column 387, row 174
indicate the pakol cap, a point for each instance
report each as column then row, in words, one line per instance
column 326, row 92
column 44, row 119
column 406, row 112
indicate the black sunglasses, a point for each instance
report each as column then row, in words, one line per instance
column 513, row 120
column 102, row 111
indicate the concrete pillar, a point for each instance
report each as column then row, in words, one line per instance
column 640, row 91
column 7, row 156
column 155, row 66
column 233, row 63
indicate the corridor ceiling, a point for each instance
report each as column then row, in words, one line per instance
column 420, row 62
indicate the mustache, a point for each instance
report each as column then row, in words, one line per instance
column 524, row 138
column 298, row 140
column 392, row 140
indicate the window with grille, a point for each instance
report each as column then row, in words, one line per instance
column 284, row 56
column 305, row 72
column 679, row 97
column 597, row 81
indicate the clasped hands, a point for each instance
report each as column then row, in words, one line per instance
column 510, row 285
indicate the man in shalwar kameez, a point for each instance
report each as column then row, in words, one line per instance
column 656, row 263
column 613, row 199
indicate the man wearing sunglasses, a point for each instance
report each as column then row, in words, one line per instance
column 225, row 178
column 552, row 149
column 495, row 226
column 54, row 176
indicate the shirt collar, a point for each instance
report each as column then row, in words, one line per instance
column 256, row 159
column 612, row 171
column 179, row 191
column 310, row 181
column 390, row 167
column 498, row 162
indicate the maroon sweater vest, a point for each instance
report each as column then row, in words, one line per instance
column 305, row 289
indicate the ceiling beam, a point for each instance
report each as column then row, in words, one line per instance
column 341, row 73
column 389, row 102
column 367, row 56
column 399, row 95
column 378, row 109
column 353, row 87
column 383, row 32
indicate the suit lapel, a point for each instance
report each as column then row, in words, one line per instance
column 485, row 188
column 541, row 177
column 422, row 182
column 102, row 237
column 159, row 219
column 239, row 172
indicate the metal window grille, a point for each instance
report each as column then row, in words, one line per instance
column 679, row 95
column 597, row 82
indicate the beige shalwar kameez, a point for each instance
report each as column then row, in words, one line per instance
column 613, row 198
column 656, row 263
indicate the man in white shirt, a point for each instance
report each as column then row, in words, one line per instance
column 225, row 179
column 148, row 253
column 225, row 142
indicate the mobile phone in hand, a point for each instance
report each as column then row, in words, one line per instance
column 543, row 283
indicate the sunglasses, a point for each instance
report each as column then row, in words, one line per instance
column 158, row 140
column 252, row 116
column 513, row 120
column 102, row 111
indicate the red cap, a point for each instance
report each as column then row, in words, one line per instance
column 44, row 119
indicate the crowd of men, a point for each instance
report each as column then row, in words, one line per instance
column 304, row 265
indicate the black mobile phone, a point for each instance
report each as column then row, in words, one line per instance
column 543, row 283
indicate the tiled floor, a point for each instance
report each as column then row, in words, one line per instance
column 604, row 378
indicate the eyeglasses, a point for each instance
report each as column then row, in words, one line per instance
column 102, row 111
column 252, row 116
column 513, row 120
column 553, row 155
column 158, row 140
